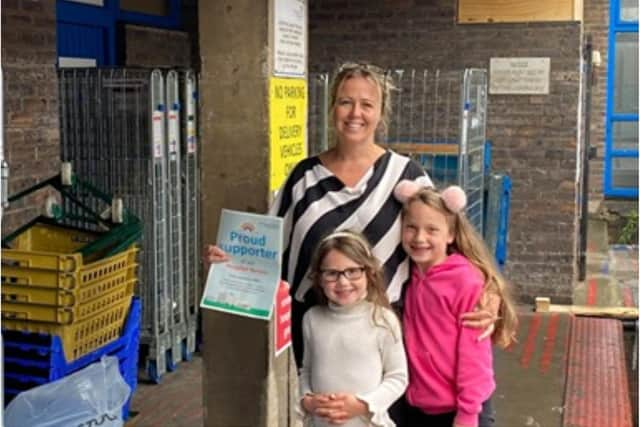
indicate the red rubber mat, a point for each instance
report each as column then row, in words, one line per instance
column 596, row 393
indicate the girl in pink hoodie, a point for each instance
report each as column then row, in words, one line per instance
column 450, row 369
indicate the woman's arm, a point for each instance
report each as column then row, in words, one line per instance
column 484, row 315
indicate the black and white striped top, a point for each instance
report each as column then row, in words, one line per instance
column 313, row 203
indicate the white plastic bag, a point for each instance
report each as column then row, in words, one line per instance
column 93, row 396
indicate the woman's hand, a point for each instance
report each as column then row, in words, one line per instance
column 484, row 316
column 213, row 255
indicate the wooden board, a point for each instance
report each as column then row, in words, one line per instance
column 491, row 11
column 628, row 313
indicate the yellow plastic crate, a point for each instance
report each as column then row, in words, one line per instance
column 84, row 336
column 60, row 288
column 40, row 285
column 66, row 314
column 46, row 255
column 17, row 287
column 52, row 238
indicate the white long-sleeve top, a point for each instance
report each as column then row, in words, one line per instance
column 345, row 351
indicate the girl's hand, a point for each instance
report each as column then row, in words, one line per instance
column 311, row 402
column 484, row 315
column 213, row 255
column 351, row 407
column 324, row 405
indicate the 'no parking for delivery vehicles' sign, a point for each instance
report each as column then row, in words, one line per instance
column 287, row 127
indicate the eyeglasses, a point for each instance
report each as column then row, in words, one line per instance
column 352, row 273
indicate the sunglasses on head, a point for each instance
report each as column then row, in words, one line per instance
column 353, row 66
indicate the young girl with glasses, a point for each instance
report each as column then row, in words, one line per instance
column 451, row 370
column 354, row 365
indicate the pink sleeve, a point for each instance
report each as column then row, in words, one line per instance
column 474, row 381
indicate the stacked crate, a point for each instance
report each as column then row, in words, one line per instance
column 67, row 291
column 33, row 359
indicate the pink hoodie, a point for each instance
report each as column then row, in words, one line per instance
column 449, row 369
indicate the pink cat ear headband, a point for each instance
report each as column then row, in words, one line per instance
column 453, row 197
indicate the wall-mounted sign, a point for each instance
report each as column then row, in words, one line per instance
column 282, row 318
column 290, row 38
column 287, row 127
column 91, row 2
column 519, row 76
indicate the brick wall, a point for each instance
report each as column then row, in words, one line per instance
column 596, row 24
column 32, row 143
column 155, row 47
column 534, row 137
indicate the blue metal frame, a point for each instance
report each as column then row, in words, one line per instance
column 107, row 18
column 69, row 13
column 616, row 26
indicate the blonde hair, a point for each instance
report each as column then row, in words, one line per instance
column 468, row 243
column 354, row 246
column 376, row 75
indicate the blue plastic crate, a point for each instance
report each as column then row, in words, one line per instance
column 32, row 359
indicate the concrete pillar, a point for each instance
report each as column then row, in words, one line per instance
column 243, row 384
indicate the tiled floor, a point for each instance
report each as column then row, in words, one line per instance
column 175, row 402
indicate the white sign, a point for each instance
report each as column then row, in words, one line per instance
column 519, row 76
column 75, row 62
column 290, row 38
column 91, row 2
column 246, row 284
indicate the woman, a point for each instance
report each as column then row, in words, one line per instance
column 349, row 186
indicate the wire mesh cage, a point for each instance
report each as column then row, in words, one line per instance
column 190, row 203
column 174, row 211
column 318, row 113
column 124, row 127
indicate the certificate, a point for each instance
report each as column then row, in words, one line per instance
column 246, row 285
